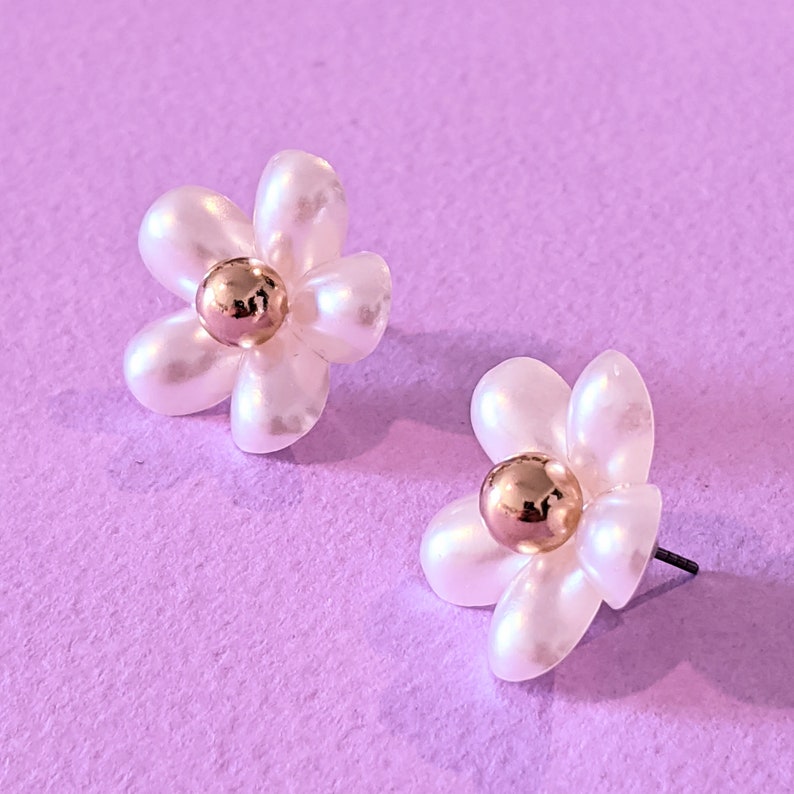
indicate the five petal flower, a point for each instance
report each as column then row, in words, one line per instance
column 337, row 311
column 602, row 430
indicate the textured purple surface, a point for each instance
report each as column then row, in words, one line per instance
column 544, row 180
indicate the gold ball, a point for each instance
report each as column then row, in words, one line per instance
column 531, row 503
column 242, row 302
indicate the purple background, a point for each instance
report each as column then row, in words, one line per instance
column 545, row 179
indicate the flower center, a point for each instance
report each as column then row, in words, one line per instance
column 241, row 302
column 531, row 503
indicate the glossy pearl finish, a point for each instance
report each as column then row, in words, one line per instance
column 531, row 503
column 525, row 415
column 300, row 214
column 617, row 539
column 519, row 406
column 462, row 562
column 173, row 366
column 279, row 395
column 242, row 302
column 244, row 279
column 341, row 309
column 610, row 425
column 542, row 616
column 187, row 231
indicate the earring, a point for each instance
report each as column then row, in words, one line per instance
column 564, row 519
column 271, row 303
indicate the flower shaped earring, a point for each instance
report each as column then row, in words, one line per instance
column 272, row 303
column 565, row 518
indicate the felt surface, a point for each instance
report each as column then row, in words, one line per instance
column 545, row 179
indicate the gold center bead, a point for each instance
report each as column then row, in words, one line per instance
column 242, row 302
column 531, row 503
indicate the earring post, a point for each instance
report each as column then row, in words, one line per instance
column 676, row 560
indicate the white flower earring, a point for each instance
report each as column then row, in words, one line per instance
column 272, row 303
column 565, row 518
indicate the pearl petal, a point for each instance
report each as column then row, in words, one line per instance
column 519, row 406
column 542, row 616
column 610, row 424
column 462, row 562
column 341, row 308
column 173, row 366
column 187, row 231
column 279, row 395
column 616, row 540
column 300, row 216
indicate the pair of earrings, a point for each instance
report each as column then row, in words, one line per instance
column 563, row 521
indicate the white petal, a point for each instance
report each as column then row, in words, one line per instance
column 610, row 424
column 519, row 406
column 542, row 616
column 462, row 562
column 173, row 366
column 341, row 308
column 279, row 395
column 300, row 215
column 617, row 538
column 187, row 231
